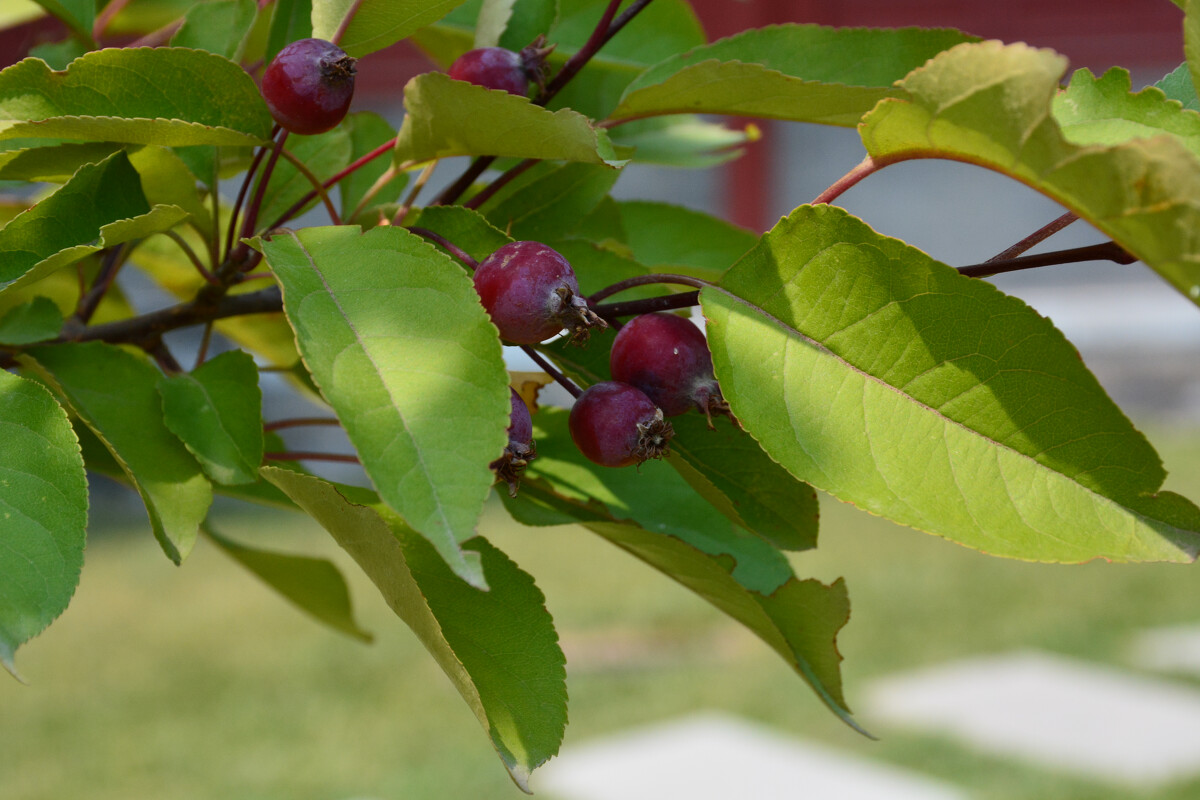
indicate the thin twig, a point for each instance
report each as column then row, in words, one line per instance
column 296, row 422
column 158, row 37
column 89, row 302
column 600, row 35
column 106, row 16
column 1037, row 237
column 645, row 280
column 407, row 205
column 202, row 354
column 449, row 246
column 487, row 192
column 166, row 362
column 191, row 255
column 241, row 195
column 147, row 327
column 318, row 187
column 353, row 166
column 862, row 170
column 562, row 380
column 263, row 179
column 632, row 308
column 1108, row 251
column 456, row 189
column 304, row 455
column 346, row 20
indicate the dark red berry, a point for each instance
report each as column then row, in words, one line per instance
column 493, row 67
column 617, row 425
column 667, row 357
column 530, row 292
column 520, row 449
column 308, row 86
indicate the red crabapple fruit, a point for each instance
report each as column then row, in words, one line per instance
column 531, row 294
column 308, row 86
column 617, row 425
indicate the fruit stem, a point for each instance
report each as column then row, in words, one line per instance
column 296, row 422
column 498, row 184
column 632, row 308
column 550, row 370
column 644, row 280
column 345, row 23
column 304, row 455
column 1107, row 251
column 261, row 190
column 352, row 167
column 455, row 190
column 88, row 303
column 241, row 195
column 191, row 255
column 205, row 340
column 413, row 193
column 1037, row 237
column 449, row 246
column 318, row 187
column 600, row 36
column 865, row 167
column 604, row 31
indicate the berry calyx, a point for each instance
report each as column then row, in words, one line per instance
column 617, row 425
column 520, row 449
column 667, row 357
column 530, row 292
column 499, row 68
column 308, row 86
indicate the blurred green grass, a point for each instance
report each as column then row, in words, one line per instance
column 198, row 682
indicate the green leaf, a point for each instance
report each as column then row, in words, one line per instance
column 493, row 18
column 894, row 383
column 165, row 95
column 728, row 469
column 1191, row 37
column 499, row 647
column 683, row 140
column 166, row 180
column 376, row 23
column 59, row 54
column 528, row 19
column 1177, row 85
column 656, row 498
column 114, row 393
column 394, row 335
column 35, row 321
column 216, row 411
column 803, row 73
column 101, row 206
column 447, row 118
column 551, row 206
column 54, row 163
column 79, row 15
column 671, row 238
column 43, row 512
column 465, row 227
column 314, row 585
column 988, row 104
column 291, row 21
column 324, row 154
column 368, row 131
column 799, row 620
column 218, row 26
column 1104, row 111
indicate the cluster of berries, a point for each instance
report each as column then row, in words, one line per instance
column 661, row 365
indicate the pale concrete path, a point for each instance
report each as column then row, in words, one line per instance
column 1173, row 649
column 1064, row 715
column 718, row 757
